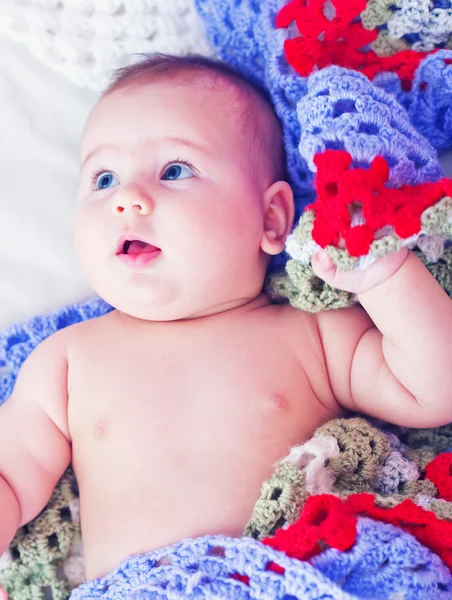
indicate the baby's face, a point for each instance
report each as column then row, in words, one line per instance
column 170, row 211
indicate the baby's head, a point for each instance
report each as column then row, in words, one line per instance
column 182, row 198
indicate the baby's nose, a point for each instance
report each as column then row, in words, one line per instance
column 132, row 198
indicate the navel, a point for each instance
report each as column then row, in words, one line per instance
column 101, row 429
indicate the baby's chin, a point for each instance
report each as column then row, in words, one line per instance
column 150, row 312
column 161, row 299
column 141, row 298
column 150, row 304
column 151, row 315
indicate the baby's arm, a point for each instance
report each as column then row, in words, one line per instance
column 34, row 442
column 395, row 365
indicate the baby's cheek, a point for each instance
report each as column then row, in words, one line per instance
column 83, row 245
column 90, row 228
column 92, row 247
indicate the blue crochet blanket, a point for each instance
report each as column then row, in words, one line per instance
column 325, row 110
column 244, row 34
column 383, row 561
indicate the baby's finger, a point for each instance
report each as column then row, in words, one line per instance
column 322, row 264
column 358, row 281
column 324, row 267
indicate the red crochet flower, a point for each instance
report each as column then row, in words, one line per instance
column 337, row 41
column 324, row 520
column 439, row 471
column 322, row 38
column 341, row 189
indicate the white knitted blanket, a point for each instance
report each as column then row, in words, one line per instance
column 85, row 39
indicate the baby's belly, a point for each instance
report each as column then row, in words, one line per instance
column 149, row 477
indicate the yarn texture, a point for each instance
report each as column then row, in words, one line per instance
column 85, row 40
column 369, row 82
column 363, row 92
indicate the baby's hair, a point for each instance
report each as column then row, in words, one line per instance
column 260, row 128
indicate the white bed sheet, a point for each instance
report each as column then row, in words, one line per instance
column 41, row 119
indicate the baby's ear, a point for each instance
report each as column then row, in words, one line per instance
column 278, row 218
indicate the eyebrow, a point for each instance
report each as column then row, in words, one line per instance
column 169, row 139
column 96, row 151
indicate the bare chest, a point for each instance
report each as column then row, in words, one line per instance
column 182, row 422
column 135, row 389
column 197, row 387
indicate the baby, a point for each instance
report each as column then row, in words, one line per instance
column 174, row 408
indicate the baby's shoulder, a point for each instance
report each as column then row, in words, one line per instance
column 57, row 346
column 302, row 338
column 296, row 329
column 78, row 333
column 297, row 319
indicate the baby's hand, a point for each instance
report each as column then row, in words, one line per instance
column 358, row 281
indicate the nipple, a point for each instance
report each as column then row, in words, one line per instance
column 279, row 402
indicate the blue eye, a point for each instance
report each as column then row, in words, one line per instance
column 177, row 171
column 105, row 180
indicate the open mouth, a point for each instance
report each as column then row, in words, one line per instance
column 135, row 252
column 137, row 247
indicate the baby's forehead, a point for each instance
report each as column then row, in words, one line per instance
column 216, row 104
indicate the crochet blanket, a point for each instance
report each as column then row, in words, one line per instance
column 84, row 40
column 363, row 91
column 361, row 510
